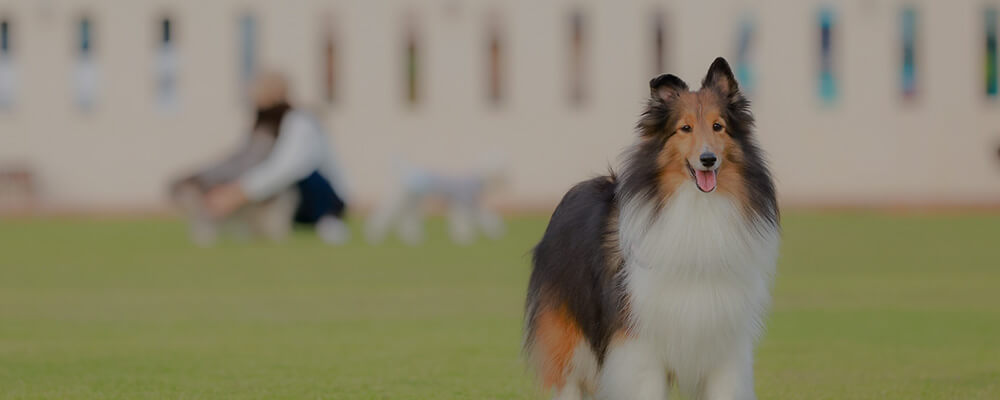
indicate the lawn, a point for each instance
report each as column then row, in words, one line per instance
column 867, row 306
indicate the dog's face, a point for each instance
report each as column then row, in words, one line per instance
column 697, row 132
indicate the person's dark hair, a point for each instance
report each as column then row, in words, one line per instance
column 270, row 118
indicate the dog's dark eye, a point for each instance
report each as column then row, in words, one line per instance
column 717, row 127
column 686, row 128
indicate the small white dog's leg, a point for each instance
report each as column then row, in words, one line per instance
column 460, row 223
column 489, row 222
column 381, row 219
column 733, row 379
column 631, row 371
column 411, row 220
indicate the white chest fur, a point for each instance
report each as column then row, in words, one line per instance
column 698, row 274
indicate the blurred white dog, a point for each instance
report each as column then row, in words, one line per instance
column 463, row 197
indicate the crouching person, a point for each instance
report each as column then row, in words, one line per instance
column 284, row 174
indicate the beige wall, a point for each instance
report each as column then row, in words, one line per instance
column 871, row 148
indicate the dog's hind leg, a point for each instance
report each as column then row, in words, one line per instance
column 570, row 391
column 189, row 198
column 581, row 374
column 563, row 358
column 273, row 219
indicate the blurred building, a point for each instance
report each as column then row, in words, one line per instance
column 859, row 102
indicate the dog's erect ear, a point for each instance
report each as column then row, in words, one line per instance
column 720, row 77
column 666, row 86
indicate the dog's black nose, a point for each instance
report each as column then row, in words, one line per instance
column 708, row 159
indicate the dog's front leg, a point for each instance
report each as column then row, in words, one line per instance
column 733, row 378
column 631, row 370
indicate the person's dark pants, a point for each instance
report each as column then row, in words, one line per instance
column 317, row 199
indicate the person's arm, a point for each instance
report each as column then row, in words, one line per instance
column 296, row 154
column 250, row 153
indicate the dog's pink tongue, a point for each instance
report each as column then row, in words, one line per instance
column 706, row 180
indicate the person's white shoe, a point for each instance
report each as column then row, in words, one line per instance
column 333, row 230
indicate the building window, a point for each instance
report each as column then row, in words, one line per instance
column 577, row 58
column 412, row 65
column 659, row 43
column 248, row 53
column 86, row 37
column 330, row 62
column 990, row 58
column 4, row 37
column 7, row 75
column 746, row 72
column 166, row 66
column 908, row 31
column 494, row 62
column 86, row 72
column 827, row 74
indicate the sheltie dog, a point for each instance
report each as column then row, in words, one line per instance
column 660, row 274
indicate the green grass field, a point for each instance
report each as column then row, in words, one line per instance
column 867, row 306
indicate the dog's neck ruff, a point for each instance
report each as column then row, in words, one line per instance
column 695, row 234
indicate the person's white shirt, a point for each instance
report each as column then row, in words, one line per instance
column 302, row 147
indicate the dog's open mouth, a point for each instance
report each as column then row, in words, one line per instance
column 704, row 179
